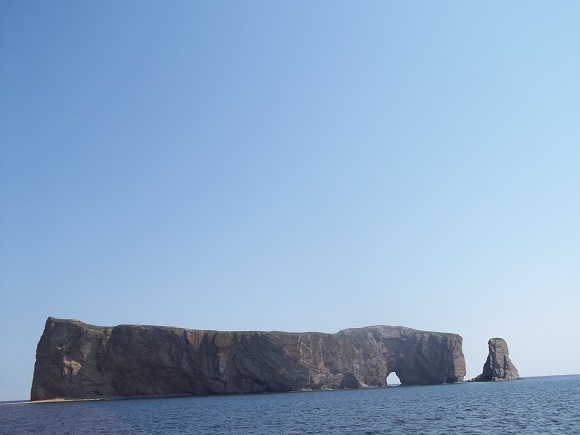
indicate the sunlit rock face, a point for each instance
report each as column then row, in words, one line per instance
column 498, row 366
column 79, row 361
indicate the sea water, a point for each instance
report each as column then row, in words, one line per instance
column 531, row 405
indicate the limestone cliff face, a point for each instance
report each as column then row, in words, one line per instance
column 79, row 361
column 498, row 366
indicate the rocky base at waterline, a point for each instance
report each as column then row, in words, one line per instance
column 75, row 360
column 498, row 366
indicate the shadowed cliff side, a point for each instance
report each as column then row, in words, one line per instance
column 79, row 361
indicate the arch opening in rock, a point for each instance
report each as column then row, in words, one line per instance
column 393, row 380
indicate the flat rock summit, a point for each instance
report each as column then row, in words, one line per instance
column 75, row 360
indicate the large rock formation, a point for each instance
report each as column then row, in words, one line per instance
column 498, row 366
column 79, row 361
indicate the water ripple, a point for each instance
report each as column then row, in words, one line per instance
column 535, row 405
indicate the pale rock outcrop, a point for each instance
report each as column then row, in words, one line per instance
column 79, row 361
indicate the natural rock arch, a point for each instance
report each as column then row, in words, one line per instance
column 134, row 360
column 392, row 380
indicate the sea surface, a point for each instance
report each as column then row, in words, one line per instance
column 532, row 405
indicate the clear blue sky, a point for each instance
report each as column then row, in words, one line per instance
column 292, row 166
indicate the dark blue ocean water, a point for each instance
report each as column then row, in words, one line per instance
column 532, row 405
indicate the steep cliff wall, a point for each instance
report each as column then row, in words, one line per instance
column 79, row 361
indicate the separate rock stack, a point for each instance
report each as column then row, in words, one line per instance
column 498, row 366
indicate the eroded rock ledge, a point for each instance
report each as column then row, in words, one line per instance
column 79, row 361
